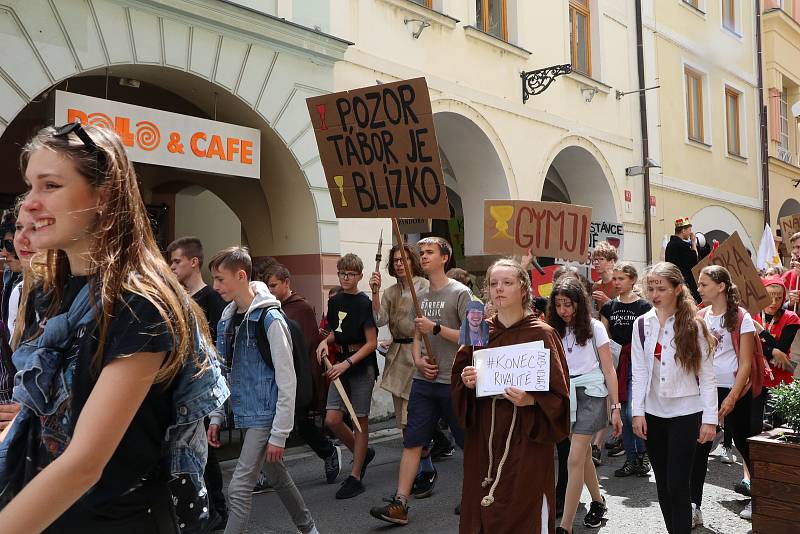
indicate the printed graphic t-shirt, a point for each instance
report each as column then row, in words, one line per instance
column 448, row 306
column 620, row 317
column 348, row 318
column 725, row 361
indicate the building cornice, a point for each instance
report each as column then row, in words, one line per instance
column 237, row 20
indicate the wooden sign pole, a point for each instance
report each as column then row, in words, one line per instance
column 410, row 283
column 345, row 398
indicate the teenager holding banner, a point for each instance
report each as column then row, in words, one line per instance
column 674, row 389
column 444, row 306
column 509, row 439
column 592, row 379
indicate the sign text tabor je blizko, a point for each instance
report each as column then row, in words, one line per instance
column 379, row 151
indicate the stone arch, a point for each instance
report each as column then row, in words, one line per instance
column 717, row 221
column 481, row 167
column 260, row 67
column 790, row 206
column 584, row 176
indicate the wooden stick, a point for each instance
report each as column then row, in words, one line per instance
column 345, row 398
column 410, row 283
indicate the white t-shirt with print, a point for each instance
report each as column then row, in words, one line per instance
column 582, row 359
column 725, row 361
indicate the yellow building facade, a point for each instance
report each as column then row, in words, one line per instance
column 703, row 118
column 781, row 37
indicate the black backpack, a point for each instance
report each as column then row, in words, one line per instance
column 302, row 367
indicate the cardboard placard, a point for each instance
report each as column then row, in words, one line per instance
column 525, row 366
column 789, row 226
column 415, row 226
column 609, row 231
column 732, row 255
column 550, row 229
column 378, row 149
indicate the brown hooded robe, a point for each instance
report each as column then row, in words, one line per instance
column 528, row 472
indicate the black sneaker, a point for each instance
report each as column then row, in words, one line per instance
column 333, row 465
column 561, row 530
column 367, row 459
column 442, row 448
column 610, row 445
column 628, row 469
column 643, row 465
column 393, row 512
column 262, row 484
column 424, row 483
column 595, row 516
column 596, row 452
column 350, row 488
column 619, row 450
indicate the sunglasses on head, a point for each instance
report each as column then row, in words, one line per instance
column 88, row 142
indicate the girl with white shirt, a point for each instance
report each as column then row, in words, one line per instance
column 674, row 389
column 592, row 379
column 734, row 368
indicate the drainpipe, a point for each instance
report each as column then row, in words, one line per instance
column 648, row 223
column 763, row 118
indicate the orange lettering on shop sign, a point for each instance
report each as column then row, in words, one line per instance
column 222, row 151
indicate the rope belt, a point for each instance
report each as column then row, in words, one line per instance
column 489, row 499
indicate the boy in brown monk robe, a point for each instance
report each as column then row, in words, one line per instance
column 509, row 478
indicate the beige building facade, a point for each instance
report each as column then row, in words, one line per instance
column 703, row 119
column 781, row 36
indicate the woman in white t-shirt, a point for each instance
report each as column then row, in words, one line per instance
column 733, row 362
column 674, row 389
column 592, row 379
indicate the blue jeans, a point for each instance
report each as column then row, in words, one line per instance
column 634, row 445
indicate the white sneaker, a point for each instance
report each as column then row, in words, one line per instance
column 697, row 516
column 727, row 456
column 747, row 513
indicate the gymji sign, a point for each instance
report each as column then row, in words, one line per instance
column 169, row 139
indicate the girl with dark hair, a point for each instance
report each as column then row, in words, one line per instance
column 618, row 315
column 674, row 389
column 508, row 446
column 396, row 309
column 119, row 339
column 592, row 378
column 739, row 378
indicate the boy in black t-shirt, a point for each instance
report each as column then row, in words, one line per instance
column 353, row 328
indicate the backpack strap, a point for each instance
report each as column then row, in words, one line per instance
column 261, row 338
column 640, row 327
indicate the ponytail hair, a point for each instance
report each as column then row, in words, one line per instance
column 687, row 326
column 720, row 275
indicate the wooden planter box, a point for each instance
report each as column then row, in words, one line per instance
column 775, row 483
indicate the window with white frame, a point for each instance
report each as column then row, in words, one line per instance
column 695, row 128
column 729, row 18
column 784, row 118
column 733, row 121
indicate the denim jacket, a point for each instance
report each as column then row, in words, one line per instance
column 261, row 396
column 41, row 387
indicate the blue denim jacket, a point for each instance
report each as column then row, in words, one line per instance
column 40, row 387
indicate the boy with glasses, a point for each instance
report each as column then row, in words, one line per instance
column 353, row 329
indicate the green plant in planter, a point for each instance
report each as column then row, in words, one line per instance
column 785, row 400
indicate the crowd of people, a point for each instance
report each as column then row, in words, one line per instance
column 119, row 367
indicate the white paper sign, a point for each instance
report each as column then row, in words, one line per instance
column 166, row 138
column 525, row 366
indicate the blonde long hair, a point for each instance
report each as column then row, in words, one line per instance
column 687, row 326
column 124, row 256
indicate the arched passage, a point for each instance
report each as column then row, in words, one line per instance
column 789, row 207
column 717, row 222
column 474, row 170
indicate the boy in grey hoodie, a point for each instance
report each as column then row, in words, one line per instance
column 262, row 396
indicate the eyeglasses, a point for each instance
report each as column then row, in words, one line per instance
column 397, row 260
column 8, row 244
column 88, row 142
column 346, row 275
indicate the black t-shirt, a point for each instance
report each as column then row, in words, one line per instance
column 125, row 487
column 620, row 317
column 212, row 305
column 355, row 314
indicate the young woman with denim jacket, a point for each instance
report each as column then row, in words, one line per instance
column 674, row 389
column 94, row 462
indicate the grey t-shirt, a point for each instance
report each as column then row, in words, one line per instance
column 448, row 306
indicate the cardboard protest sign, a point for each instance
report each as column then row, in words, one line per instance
column 525, row 366
column 550, row 229
column 732, row 255
column 379, row 151
column 609, row 231
column 789, row 226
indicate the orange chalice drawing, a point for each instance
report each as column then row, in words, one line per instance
column 501, row 213
column 339, row 179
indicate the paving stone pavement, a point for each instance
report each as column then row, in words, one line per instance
column 632, row 503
